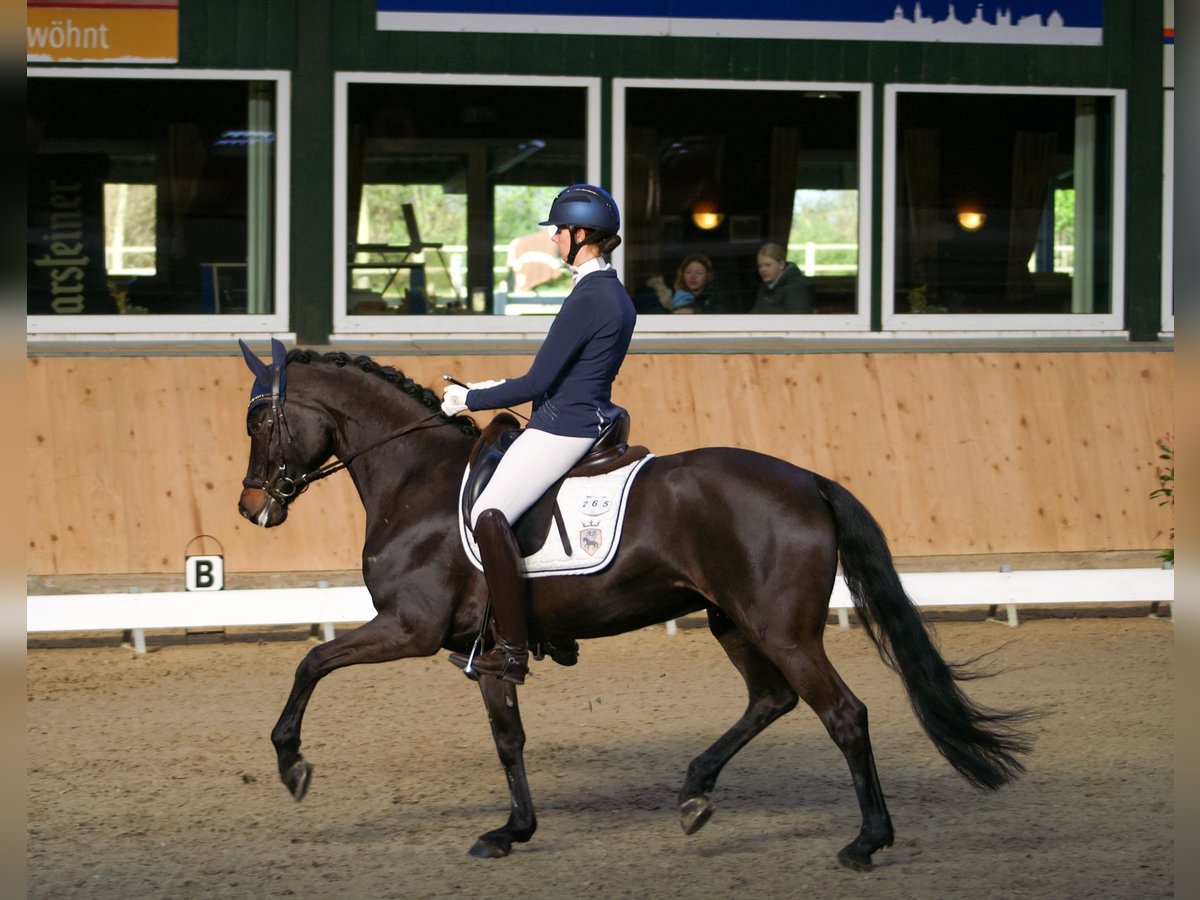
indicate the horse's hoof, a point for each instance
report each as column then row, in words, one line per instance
column 298, row 778
column 854, row 857
column 484, row 850
column 694, row 812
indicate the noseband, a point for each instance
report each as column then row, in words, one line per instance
column 282, row 488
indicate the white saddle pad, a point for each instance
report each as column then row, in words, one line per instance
column 593, row 510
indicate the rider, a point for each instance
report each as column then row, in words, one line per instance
column 570, row 384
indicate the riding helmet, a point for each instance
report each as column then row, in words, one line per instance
column 586, row 206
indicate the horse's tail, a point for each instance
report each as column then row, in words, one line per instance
column 982, row 744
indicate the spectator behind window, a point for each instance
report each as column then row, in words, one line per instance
column 695, row 290
column 784, row 287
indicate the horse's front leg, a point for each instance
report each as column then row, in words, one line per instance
column 500, row 698
column 382, row 639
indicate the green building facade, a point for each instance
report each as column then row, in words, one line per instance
column 304, row 170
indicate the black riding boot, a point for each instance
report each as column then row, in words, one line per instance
column 509, row 659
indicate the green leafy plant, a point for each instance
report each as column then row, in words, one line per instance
column 1165, row 493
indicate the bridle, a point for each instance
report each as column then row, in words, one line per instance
column 282, row 488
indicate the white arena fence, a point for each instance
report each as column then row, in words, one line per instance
column 328, row 607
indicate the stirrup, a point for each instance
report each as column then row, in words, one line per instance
column 512, row 669
column 464, row 663
column 503, row 664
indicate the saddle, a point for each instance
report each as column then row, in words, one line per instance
column 611, row 451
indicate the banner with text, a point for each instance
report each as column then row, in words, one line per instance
column 107, row 31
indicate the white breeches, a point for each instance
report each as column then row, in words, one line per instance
column 535, row 461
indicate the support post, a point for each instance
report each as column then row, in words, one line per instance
column 134, row 638
column 323, row 631
column 1011, row 608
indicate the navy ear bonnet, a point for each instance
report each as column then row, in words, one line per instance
column 265, row 375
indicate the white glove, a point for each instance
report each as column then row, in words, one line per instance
column 454, row 399
column 483, row 385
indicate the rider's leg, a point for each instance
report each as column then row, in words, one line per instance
column 509, row 658
column 532, row 464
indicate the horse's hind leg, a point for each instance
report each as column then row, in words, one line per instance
column 500, row 698
column 770, row 697
column 845, row 718
column 380, row 640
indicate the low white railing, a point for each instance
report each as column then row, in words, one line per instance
column 330, row 606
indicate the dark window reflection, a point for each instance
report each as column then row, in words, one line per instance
column 445, row 187
column 720, row 173
column 149, row 196
column 1004, row 204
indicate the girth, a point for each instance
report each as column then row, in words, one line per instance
column 611, row 451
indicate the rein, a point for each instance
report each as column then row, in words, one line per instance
column 330, row 468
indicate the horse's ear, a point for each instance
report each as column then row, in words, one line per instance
column 278, row 353
column 257, row 366
column 279, row 364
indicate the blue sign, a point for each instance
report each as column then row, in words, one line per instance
column 1048, row 22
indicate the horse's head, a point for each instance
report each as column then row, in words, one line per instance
column 283, row 446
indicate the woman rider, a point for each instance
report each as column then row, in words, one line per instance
column 570, row 384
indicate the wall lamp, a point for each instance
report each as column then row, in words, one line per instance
column 706, row 216
column 970, row 217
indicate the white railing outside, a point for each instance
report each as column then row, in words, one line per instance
column 808, row 264
column 1064, row 258
column 114, row 259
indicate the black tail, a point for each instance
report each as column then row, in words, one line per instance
column 982, row 744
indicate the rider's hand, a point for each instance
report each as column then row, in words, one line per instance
column 454, row 400
column 484, row 385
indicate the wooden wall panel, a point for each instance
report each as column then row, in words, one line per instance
column 955, row 453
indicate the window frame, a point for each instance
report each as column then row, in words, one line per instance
column 1167, row 326
column 1111, row 324
column 435, row 328
column 192, row 327
column 775, row 325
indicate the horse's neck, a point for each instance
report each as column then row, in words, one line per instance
column 368, row 410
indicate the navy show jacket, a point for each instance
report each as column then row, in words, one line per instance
column 570, row 381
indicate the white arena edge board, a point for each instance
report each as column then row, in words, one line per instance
column 303, row 606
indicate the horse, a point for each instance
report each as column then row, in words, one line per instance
column 751, row 540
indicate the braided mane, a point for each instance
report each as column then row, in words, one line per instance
column 423, row 395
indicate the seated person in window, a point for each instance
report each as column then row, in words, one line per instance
column 784, row 287
column 694, row 291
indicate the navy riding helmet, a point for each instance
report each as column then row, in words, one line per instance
column 585, row 206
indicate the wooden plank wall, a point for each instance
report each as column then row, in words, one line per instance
column 955, row 453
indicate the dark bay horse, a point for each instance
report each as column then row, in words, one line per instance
column 751, row 540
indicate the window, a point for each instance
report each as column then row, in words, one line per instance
column 1168, row 272
column 130, row 229
column 443, row 180
column 153, row 202
column 720, row 169
column 1003, row 209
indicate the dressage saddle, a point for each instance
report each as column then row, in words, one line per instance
column 611, row 451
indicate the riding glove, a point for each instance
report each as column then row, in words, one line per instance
column 454, row 399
